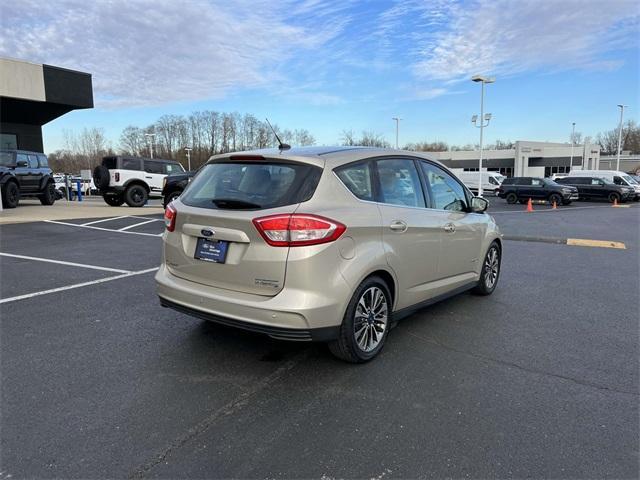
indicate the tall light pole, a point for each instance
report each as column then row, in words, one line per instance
column 620, row 135
column 153, row 136
column 397, row 119
column 188, row 150
column 483, row 117
column 573, row 140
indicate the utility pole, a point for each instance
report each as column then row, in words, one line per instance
column 573, row 139
column 153, row 136
column 483, row 118
column 620, row 136
column 188, row 150
column 397, row 119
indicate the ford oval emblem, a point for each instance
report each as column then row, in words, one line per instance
column 207, row 233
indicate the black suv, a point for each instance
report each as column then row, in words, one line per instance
column 174, row 185
column 597, row 188
column 25, row 174
column 521, row 189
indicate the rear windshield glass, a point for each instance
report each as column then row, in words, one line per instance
column 251, row 186
column 6, row 159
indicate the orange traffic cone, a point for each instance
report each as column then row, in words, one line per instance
column 529, row 206
column 554, row 205
column 615, row 202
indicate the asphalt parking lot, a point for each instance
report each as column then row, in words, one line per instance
column 540, row 379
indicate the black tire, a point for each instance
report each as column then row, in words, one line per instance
column 48, row 197
column 171, row 196
column 113, row 200
column 136, row 196
column 511, row 198
column 489, row 279
column 554, row 197
column 101, row 177
column 613, row 196
column 10, row 195
column 347, row 346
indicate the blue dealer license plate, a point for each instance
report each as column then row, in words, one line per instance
column 211, row 250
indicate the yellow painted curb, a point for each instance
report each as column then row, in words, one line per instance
column 620, row 206
column 581, row 242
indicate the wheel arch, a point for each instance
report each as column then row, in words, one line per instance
column 136, row 181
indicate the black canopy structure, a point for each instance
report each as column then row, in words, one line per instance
column 32, row 95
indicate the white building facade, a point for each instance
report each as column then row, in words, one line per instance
column 532, row 159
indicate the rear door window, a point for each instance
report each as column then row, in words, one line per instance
column 357, row 178
column 42, row 161
column 151, row 166
column 33, row 161
column 251, row 185
column 399, row 182
column 131, row 164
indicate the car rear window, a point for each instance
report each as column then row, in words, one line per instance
column 251, row 185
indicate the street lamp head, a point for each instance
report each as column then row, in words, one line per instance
column 474, row 119
column 483, row 79
column 487, row 116
column 622, row 106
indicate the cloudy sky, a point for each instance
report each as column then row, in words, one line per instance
column 329, row 66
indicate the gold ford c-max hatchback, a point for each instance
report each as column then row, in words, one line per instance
column 325, row 244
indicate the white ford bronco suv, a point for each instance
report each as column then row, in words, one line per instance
column 132, row 180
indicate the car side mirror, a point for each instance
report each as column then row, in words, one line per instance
column 22, row 164
column 479, row 204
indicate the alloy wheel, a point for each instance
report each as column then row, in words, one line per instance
column 371, row 318
column 491, row 267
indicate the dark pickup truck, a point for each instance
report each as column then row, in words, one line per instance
column 173, row 186
column 521, row 189
column 25, row 174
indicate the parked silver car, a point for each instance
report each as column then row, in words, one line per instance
column 326, row 244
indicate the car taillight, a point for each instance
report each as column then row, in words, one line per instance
column 116, row 176
column 298, row 229
column 170, row 215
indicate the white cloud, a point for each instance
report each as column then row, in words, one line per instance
column 145, row 52
column 506, row 37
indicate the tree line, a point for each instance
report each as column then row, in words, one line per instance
column 209, row 133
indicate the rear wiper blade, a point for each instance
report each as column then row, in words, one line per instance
column 234, row 203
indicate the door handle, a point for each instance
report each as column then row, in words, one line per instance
column 148, row 177
column 449, row 228
column 398, row 226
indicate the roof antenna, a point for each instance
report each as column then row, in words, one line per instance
column 281, row 146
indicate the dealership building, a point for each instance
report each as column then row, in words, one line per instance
column 534, row 159
column 32, row 95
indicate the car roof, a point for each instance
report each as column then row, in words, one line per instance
column 330, row 156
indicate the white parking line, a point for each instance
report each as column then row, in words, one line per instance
column 60, row 262
column 77, row 285
column 138, row 224
column 103, row 220
column 157, row 235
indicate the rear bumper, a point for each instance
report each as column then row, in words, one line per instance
column 291, row 314
column 322, row 334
